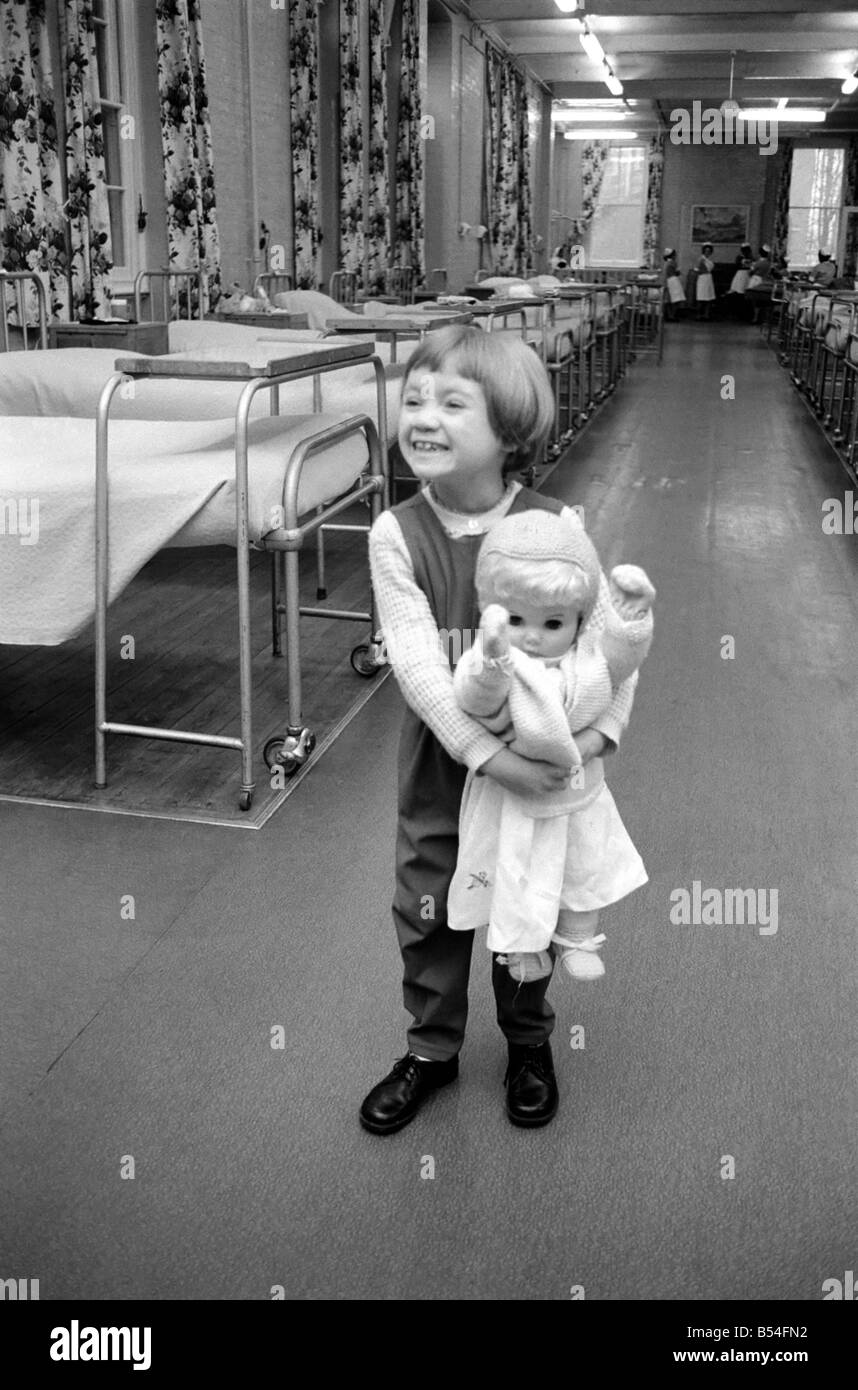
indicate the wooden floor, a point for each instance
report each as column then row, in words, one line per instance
column 182, row 613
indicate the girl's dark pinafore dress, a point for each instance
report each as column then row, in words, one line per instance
column 437, row 960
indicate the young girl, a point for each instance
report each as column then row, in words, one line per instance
column 705, row 287
column 475, row 407
column 538, row 870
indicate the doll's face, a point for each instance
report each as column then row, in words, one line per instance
column 541, row 631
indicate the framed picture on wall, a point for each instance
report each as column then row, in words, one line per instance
column 723, row 226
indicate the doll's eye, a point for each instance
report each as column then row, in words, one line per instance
column 514, row 620
column 553, row 624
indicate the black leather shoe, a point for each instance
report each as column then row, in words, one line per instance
column 396, row 1099
column 531, row 1088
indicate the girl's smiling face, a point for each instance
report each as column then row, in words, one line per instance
column 444, row 430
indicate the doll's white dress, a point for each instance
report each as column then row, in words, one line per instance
column 522, row 859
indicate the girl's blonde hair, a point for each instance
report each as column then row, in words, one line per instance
column 519, row 400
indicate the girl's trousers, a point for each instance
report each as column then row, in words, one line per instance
column 437, row 960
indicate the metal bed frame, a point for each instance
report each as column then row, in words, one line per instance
column 568, row 375
column 20, row 279
column 272, row 282
column 193, row 278
column 291, row 749
column 644, row 317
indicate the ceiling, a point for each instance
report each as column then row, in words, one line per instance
column 669, row 53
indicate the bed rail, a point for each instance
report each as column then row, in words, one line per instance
column 166, row 293
column 20, row 279
column 273, row 282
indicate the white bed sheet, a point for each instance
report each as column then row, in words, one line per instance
column 69, row 381
column 171, row 482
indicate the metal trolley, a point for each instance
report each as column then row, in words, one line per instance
column 292, row 748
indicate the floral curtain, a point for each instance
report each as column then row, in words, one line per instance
column 780, row 237
column 593, row 159
column 508, row 194
column 409, row 246
column 86, row 205
column 32, row 225
column 186, row 138
column 351, row 141
column 304, row 91
column 652, row 215
column 378, row 195
column 849, row 267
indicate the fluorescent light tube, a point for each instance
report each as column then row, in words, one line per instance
column 591, row 46
column 598, row 134
column 802, row 114
column 613, row 84
column 596, row 115
column 566, row 6
column 850, row 85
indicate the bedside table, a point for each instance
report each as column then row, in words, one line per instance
column 149, row 338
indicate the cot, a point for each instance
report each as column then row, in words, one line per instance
column 173, row 482
column 13, row 291
column 830, row 344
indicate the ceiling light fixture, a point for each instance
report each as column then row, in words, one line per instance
column 802, row 114
column 596, row 53
column 850, row 85
column 598, row 134
column 730, row 107
column 590, row 44
column 592, row 115
column 567, row 6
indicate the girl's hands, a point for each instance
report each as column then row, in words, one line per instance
column 524, row 776
column 494, row 625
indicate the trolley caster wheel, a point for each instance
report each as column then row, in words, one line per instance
column 289, row 753
column 245, row 801
column 367, row 658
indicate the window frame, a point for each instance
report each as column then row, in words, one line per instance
column 836, row 207
column 637, row 261
column 116, row 18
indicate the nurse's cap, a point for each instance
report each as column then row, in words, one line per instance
column 669, row 251
column 766, row 250
column 826, row 254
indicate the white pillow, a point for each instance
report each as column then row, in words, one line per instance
column 317, row 306
column 501, row 282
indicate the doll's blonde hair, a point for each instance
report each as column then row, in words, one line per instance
column 545, row 583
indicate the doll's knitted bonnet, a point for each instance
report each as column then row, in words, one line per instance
column 537, row 535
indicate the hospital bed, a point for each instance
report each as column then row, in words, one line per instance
column 13, row 300
column 175, row 472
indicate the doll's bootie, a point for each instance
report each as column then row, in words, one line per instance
column 580, row 958
column 526, row 966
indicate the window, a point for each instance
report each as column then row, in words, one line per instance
column 815, row 198
column 616, row 232
column 116, row 80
